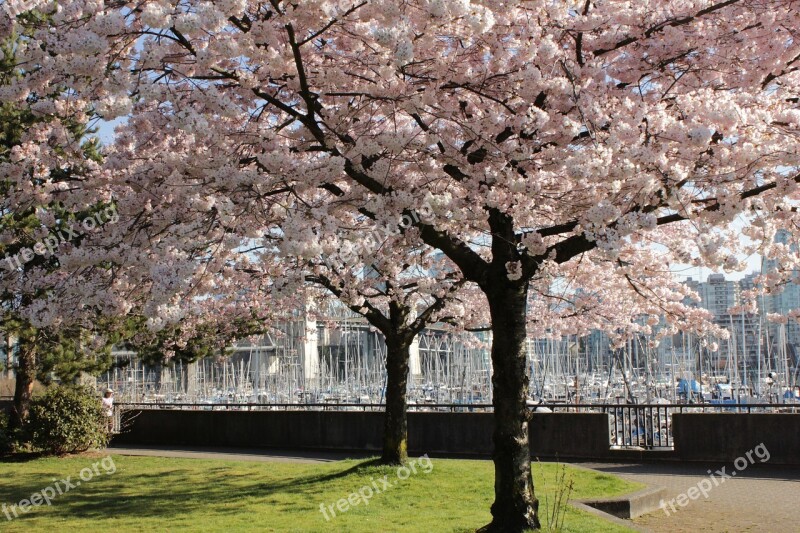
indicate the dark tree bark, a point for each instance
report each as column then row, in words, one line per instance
column 23, row 389
column 9, row 354
column 395, row 431
column 515, row 508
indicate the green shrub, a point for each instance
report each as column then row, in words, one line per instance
column 67, row 419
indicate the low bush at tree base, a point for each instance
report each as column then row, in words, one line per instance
column 67, row 419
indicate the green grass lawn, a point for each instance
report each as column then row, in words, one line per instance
column 161, row 494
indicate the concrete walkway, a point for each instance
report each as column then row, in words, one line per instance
column 758, row 499
column 237, row 454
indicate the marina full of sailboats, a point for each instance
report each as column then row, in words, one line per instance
column 342, row 362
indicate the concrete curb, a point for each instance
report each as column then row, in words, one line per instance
column 630, row 505
column 609, row 517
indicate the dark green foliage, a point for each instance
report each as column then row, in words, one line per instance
column 71, row 351
column 67, row 419
column 65, row 353
column 208, row 340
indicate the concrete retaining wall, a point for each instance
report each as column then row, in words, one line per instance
column 724, row 437
column 697, row 436
column 552, row 435
column 569, row 435
column 329, row 430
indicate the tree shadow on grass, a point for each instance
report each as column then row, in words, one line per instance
column 177, row 492
column 358, row 468
column 21, row 457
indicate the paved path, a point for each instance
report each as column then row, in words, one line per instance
column 237, row 454
column 757, row 499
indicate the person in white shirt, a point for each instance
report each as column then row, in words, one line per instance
column 108, row 408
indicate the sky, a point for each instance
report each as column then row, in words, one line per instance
column 105, row 129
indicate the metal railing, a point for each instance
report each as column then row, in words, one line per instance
column 441, row 407
column 116, row 420
column 468, row 407
column 640, row 426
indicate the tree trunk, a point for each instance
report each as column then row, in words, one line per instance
column 515, row 508
column 395, row 431
column 23, row 388
column 9, row 355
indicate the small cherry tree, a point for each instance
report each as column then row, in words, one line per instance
column 398, row 288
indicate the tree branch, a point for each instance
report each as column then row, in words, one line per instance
column 666, row 24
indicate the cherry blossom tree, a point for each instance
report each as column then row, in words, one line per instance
column 39, row 159
column 72, row 269
column 396, row 309
column 399, row 291
column 546, row 135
